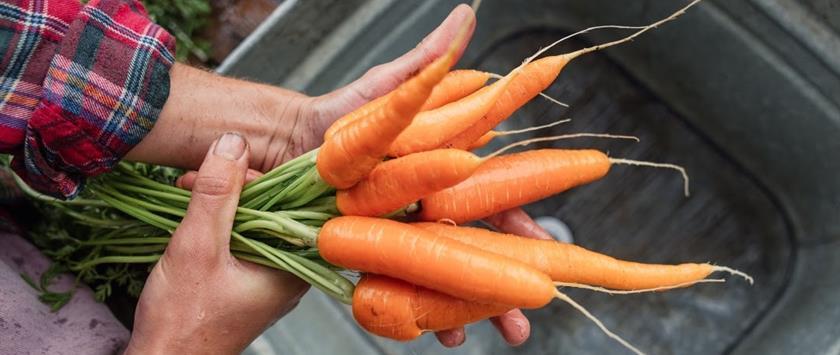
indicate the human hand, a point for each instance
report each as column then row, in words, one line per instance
column 199, row 298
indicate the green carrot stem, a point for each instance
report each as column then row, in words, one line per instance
column 117, row 259
column 121, row 241
column 136, row 249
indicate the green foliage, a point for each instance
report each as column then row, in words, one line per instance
column 184, row 19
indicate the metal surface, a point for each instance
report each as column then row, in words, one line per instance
column 744, row 94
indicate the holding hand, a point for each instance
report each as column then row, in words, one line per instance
column 199, row 298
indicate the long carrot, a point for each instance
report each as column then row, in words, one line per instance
column 535, row 78
column 455, row 85
column 399, row 250
column 398, row 182
column 570, row 263
column 350, row 154
column 430, row 129
column 399, row 310
column 508, row 181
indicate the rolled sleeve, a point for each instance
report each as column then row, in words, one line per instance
column 102, row 93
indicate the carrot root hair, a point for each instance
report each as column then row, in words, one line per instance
column 554, row 138
column 641, row 29
column 620, row 161
column 630, row 292
column 544, row 95
column 534, row 128
column 734, row 272
column 563, row 297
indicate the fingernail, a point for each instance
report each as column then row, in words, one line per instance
column 231, row 146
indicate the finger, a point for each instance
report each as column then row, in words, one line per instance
column 452, row 337
column 513, row 326
column 383, row 78
column 516, row 221
column 204, row 233
column 187, row 180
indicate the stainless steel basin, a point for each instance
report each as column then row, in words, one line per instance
column 744, row 94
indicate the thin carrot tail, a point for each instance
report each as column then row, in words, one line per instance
column 554, row 138
column 656, row 165
column 563, row 297
column 629, row 292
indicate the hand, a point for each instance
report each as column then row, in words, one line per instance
column 513, row 325
column 279, row 124
column 199, row 298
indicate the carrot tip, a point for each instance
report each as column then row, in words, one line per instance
column 734, row 272
column 643, row 290
column 563, row 297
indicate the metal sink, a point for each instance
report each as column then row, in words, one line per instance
column 744, row 94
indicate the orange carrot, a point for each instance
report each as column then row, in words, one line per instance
column 454, row 86
column 535, row 78
column 483, row 140
column 430, row 129
column 509, row 181
column 409, row 253
column 398, row 310
column 398, row 182
column 570, row 263
column 354, row 150
column 360, row 112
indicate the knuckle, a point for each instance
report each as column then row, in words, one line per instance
column 213, row 185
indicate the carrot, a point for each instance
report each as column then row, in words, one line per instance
column 483, row 140
column 363, row 111
column 534, row 78
column 409, row 253
column 505, row 182
column 430, row 129
column 509, row 181
column 571, row 264
column 398, row 182
column 350, row 154
column 398, row 310
column 455, row 85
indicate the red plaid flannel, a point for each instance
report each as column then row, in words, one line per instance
column 80, row 86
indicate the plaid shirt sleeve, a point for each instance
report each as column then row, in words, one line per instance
column 80, row 86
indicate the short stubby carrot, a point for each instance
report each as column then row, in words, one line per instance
column 431, row 129
column 402, row 311
column 509, row 181
column 409, row 253
column 399, row 182
column 570, row 263
column 455, row 86
column 354, row 150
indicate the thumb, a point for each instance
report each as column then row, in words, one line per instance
column 204, row 233
column 383, row 78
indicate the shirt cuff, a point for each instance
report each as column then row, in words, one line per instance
column 102, row 94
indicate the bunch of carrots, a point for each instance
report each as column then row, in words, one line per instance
column 338, row 208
